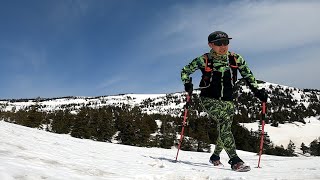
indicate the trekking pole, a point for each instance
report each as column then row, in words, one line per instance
column 183, row 123
column 263, row 117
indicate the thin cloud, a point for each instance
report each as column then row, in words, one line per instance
column 301, row 72
column 68, row 14
column 275, row 25
column 25, row 55
column 63, row 10
column 255, row 25
column 78, row 36
column 266, row 31
column 108, row 84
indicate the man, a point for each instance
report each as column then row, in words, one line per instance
column 219, row 74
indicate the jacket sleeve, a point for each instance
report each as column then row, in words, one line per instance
column 191, row 68
column 246, row 73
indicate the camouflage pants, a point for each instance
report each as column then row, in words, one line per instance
column 222, row 112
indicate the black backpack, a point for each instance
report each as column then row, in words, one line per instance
column 207, row 71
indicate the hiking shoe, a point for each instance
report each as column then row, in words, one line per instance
column 215, row 160
column 216, row 163
column 240, row 167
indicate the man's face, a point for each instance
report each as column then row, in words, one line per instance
column 220, row 47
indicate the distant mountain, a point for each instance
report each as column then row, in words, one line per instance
column 286, row 104
column 72, row 115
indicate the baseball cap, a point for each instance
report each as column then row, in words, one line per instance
column 217, row 35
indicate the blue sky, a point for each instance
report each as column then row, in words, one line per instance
column 57, row 48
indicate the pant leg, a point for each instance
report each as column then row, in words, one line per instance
column 219, row 143
column 227, row 138
column 222, row 112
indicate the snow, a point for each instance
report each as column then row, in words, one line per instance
column 130, row 99
column 32, row 154
column 296, row 132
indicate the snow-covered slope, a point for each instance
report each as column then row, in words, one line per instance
column 296, row 132
column 32, row 154
column 173, row 104
column 157, row 103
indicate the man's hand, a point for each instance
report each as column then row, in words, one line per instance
column 188, row 87
column 261, row 94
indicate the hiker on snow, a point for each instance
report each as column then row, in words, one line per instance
column 219, row 74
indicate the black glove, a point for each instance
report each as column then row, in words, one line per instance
column 188, row 87
column 261, row 94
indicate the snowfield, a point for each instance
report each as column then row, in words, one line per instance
column 31, row 154
column 297, row 132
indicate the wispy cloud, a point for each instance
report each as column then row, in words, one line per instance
column 275, row 25
column 25, row 56
column 274, row 32
column 301, row 72
column 68, row 15
column 110, row 83
column 69, row 9
column 255, row 25
column 101, row 48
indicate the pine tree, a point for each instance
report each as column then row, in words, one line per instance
column 80, row 128
column 304, row 148
column 105, row 128
column 125, row 124
column 33, row 118
column 290, row 149
column 62, row 122
column 199, row 131
column 168, row 133
column 315, row 147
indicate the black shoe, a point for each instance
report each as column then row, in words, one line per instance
column 216, row 163
column 215, row 160
column 238, row 165
column 234, row 160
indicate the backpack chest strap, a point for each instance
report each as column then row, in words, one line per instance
column 232, row 62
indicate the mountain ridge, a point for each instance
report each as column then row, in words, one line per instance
column 285, row 105
column 303, row 96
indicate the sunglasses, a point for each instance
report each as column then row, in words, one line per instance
column 224, row 42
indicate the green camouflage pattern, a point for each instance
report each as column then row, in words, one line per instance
column 222, row 112
column 222, row 62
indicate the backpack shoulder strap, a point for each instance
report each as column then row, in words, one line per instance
column 234, row 67
column 207, row 67
column 233, row 61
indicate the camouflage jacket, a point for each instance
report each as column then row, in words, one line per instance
column 219, row 84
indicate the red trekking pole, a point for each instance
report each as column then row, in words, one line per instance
column 263, row 117
column 183, row 123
